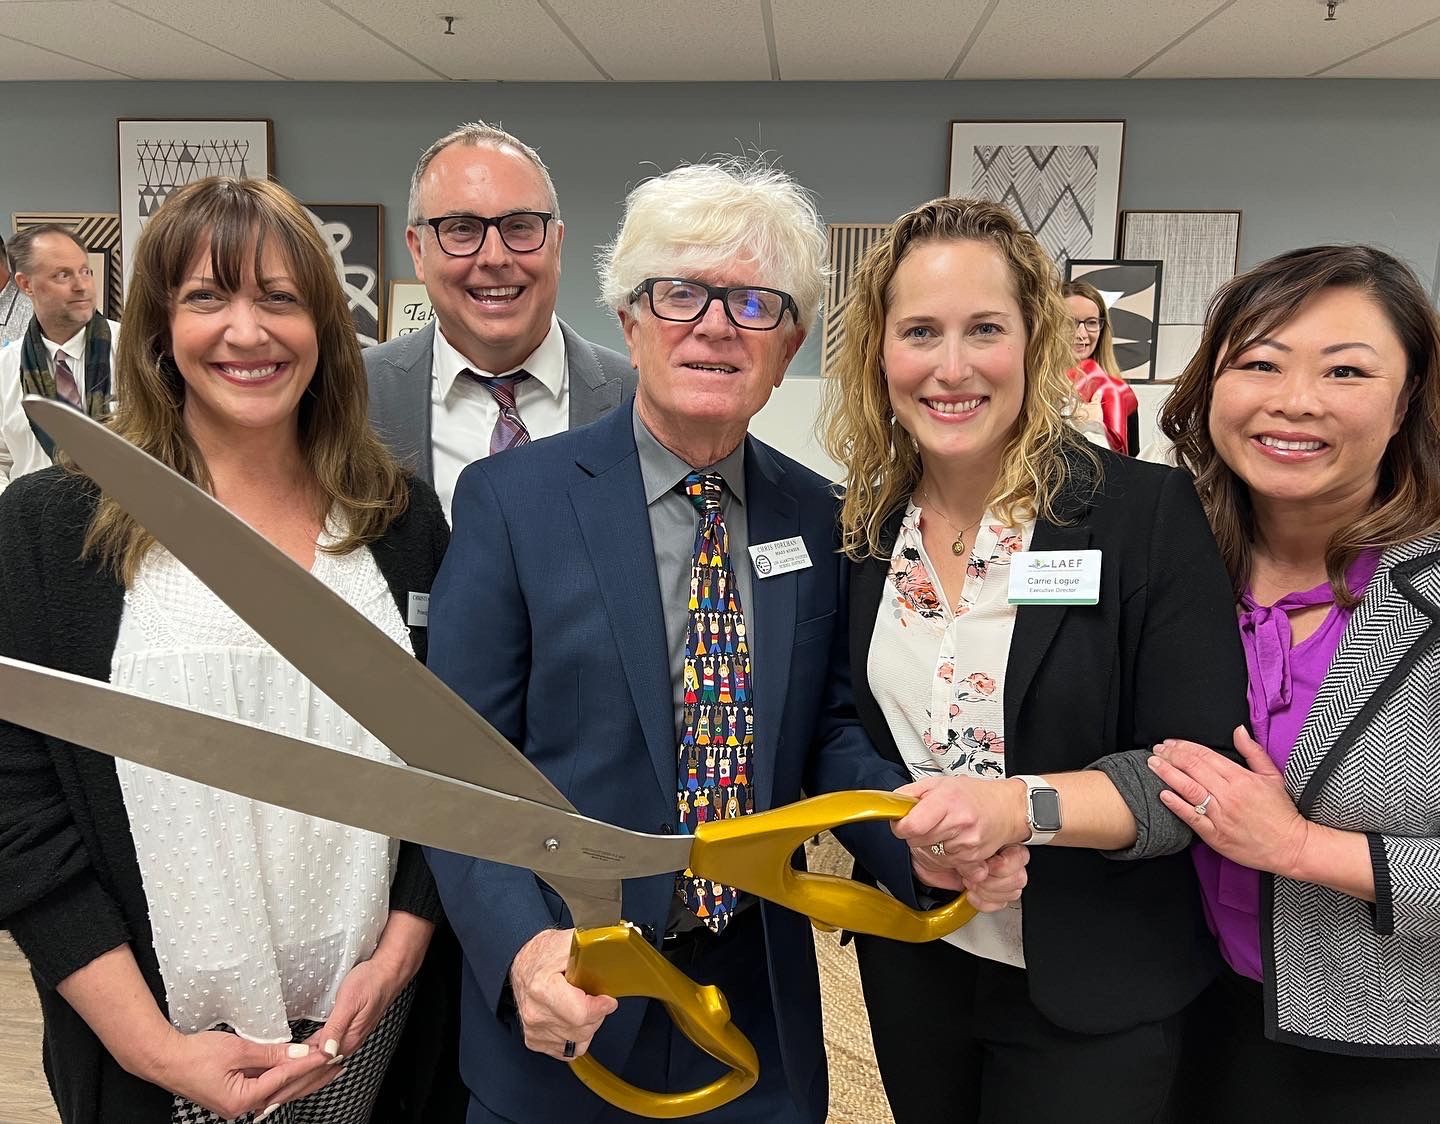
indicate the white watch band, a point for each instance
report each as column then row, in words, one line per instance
column 1037, row 838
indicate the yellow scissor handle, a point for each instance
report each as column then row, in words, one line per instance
column 753, row 852
column 617, row 960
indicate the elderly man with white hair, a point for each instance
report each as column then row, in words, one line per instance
column 605, row 603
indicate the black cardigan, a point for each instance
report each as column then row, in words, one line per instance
column 1108, row 944
column 70, row 886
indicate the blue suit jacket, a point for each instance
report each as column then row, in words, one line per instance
column 546, row 618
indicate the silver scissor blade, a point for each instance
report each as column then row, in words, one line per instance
column 373, row 679
column 394, row 800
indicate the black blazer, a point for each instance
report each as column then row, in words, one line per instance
column 70, row 886
column 1108, row 944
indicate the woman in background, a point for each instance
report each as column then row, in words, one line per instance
column 1109, row 408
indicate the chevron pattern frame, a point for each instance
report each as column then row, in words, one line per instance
column 1061, row 179
column 848, row 243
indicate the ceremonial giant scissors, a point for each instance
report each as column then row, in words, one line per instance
column 462, row 787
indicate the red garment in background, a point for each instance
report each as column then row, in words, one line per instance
column 1117, row 401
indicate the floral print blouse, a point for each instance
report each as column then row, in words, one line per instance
column 938, row 675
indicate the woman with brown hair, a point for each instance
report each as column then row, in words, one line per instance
column 1027, row 725
column 1108, row 403
column 201, row 956
column 1310, row 417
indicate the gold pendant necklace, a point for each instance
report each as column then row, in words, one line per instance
column 958, row 546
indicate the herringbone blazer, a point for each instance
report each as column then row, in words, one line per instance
column 1340, row 974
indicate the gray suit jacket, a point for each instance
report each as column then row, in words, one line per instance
column 399, row 373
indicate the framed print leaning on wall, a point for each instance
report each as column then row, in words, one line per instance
column 353, row 234
column 409, row 308
column 1061, row 179
column 154, row 157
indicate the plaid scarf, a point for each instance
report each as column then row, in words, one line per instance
column 36, row 377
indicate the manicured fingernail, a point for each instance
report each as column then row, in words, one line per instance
column 267, row 1113
column 332, row 1047
column 336, row 1060
column 1150, row 761
column 297, row 1050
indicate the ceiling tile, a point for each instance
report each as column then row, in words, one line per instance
column 302, row 39
column 858, row 40
column 112, row 37
column 1416, row 55
column 494, row 40
column 717, row 40
column 1078, row 39
column 23, row 62
column 1263, row 39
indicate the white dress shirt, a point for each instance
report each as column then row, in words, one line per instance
column 463, row 413
column 20, row 452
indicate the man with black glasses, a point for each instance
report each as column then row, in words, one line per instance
column 495, row 368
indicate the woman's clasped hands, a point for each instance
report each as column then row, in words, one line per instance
column 964, row 834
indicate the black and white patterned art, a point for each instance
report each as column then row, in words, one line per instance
column 1061, row 179
column 849, row 242
column 352, row 235
column 158, row 157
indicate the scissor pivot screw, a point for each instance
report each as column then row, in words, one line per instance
column 552, row 845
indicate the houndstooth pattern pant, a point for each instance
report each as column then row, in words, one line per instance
column 348, row 1100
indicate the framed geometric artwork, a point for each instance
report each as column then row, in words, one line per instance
column 409, row 306
column 1060, row 179
column 99, row 233
column 848, row 243
column 1200, row 250
column 154, row 157
column 1132, row 303
column 353, row 234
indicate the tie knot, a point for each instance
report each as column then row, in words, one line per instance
column 501, row 386
column 704, row 490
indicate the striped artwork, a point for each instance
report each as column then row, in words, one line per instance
column 848, row 243
column 1049, row 188
column 99, row 232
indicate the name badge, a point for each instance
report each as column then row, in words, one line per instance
column 419, row 614
column 1055, row 577
column 780, row 557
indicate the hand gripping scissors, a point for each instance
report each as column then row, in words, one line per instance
column 461, row 787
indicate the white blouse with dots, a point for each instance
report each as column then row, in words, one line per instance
column 257, row 912
column 939, row 677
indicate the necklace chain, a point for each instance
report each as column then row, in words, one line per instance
column 958, row 546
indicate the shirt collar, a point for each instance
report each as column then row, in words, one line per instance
column 546, row 364
column 661, row 470
column 74, row 347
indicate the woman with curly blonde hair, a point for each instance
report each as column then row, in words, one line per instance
column 968, row 491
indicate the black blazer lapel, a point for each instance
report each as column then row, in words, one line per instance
column 867, row 588
column 771, row 513
column 610, row 509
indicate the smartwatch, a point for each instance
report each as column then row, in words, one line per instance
column 1042, row 810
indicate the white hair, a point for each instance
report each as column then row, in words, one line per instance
column 700, row 217
column 476, row 134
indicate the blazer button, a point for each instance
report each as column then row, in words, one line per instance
column 667, row 829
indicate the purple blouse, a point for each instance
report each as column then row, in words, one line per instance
column 1284, row 681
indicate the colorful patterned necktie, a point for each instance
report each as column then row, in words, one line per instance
column 65, row 384
column 509, row 430
column 715, row 771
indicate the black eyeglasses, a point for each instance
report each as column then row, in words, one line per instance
column 523, row 232
column 1090, row 324
column 683, row 301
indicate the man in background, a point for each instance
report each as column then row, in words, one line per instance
column 495, row 368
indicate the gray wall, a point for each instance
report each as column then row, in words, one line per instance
column 1307, row 161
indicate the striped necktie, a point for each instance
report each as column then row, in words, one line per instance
column 509, row 430
column 65, row 384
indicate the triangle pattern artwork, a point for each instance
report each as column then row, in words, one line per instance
column 168, row 164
